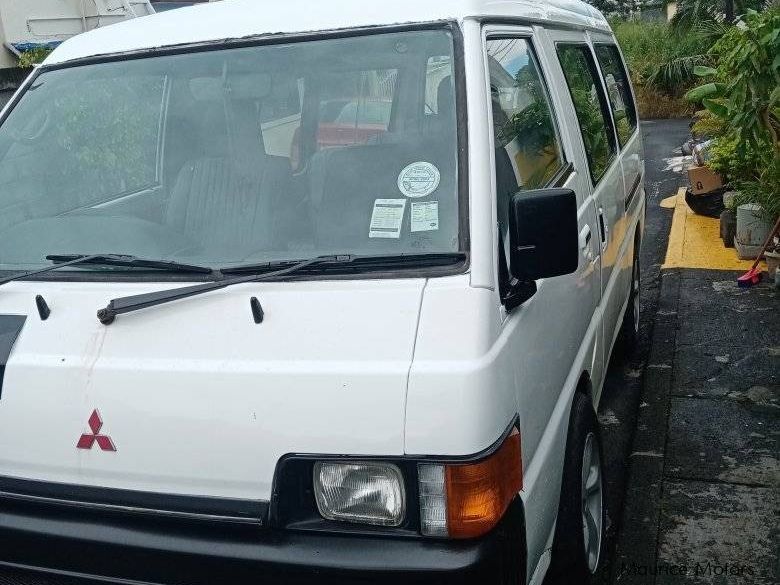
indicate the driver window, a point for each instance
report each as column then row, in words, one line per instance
column 528, row 150
column 97, row 139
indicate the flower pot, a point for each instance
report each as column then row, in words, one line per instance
column 752, row 230
column 728, row 227
column 772, row 262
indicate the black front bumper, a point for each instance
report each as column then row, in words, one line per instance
column 82, row 546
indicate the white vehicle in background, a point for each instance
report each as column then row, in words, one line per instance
column 371, row 352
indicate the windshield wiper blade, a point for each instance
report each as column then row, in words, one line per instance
column 72, row 262
column 128, row 261
column 361, row 263
column 129, row 304
column 270, row 270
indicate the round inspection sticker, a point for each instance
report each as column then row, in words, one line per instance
column 419, row 179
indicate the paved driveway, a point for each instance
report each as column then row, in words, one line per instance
column 703, row 494
column 620, row 402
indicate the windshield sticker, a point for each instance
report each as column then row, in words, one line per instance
column 419, row 179
column 387, row 218
column 425, row 216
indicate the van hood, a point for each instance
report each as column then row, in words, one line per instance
column 195, row 397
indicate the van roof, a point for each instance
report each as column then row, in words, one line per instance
column 236, row 19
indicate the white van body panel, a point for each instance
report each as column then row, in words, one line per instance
column 235, row 19
column 197, row 398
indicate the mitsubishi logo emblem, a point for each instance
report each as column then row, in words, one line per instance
column 87, row 440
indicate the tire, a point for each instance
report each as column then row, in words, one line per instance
column 628, row 338
column 579, row 532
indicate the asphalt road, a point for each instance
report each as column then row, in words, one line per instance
column 620, row 398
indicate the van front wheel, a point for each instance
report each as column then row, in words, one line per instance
column 579, row 532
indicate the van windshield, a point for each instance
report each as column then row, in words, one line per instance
column 228, row 157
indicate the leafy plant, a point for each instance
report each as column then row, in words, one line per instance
column 33, row 57
column 586, row 103
column 106, row 133
column 692, row 13
column 743, row 93
column 744, row 90
column 534, row 125
column 735, row 162
column 661, row 60
column 763, row 190
column 707, row 125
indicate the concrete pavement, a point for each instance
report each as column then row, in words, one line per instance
column 703, row 490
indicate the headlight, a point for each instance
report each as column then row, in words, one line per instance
column 366, row 493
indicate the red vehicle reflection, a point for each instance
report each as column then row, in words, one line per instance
column 347, row 122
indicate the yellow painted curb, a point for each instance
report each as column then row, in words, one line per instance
column 694, row 240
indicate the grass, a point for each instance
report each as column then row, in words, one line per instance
column 661, row 61
column 655, row 104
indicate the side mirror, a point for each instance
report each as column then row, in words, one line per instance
column 543, row 236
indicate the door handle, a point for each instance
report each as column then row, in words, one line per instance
column 604, row 229
column 585, row 238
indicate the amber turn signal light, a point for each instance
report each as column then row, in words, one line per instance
column 478, row 494
column 468, row 500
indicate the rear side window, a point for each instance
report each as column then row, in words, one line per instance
column 590, row 105
column 619, row 91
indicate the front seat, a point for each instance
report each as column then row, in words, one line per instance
column 226, row 203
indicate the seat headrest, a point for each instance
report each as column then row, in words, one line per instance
column 445, row 97
column 237, row 86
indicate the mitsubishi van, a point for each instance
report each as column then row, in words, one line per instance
column 316, row 292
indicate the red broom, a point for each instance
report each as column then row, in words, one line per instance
column 753, row 276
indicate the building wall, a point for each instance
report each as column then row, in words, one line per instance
column 44, row 21
column 671, row 10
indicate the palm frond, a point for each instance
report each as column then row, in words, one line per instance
column 710, row 30
column 677, row 72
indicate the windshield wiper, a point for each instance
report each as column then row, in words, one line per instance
column 23, row 275
column 143, row 301
column 270, row 270
column 64, row 260
column 128, row 261
column 360, row 263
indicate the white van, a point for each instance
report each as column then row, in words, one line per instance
column 358, row 270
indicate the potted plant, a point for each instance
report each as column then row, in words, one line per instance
column 772, row 257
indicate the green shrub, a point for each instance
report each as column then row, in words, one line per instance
column 660, row 55
column 764, row 190
column 743, row 93
column 33, row 57
column 734, row 161
column 707, row 125
column 661, row 61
